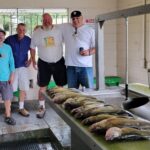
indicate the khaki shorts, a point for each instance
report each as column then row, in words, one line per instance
column 21, row 79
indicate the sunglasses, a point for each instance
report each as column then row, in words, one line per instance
column 75, row 32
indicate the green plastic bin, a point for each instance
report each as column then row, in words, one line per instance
column 112, row 80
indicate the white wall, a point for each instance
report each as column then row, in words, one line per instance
column 137, row 72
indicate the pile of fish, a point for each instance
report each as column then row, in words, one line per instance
column 112, row 121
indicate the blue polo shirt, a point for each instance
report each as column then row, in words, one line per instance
column 6, row 62
column 20, row 49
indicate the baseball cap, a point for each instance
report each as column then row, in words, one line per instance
column 1, row 30
column 76, row 13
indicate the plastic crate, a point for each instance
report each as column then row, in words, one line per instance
column 112, row 80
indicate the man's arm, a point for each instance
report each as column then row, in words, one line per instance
column 88, row 52
column 32, row 53
column 12, row 67
column 92, row 51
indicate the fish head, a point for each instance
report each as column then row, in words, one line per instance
column 113, row 133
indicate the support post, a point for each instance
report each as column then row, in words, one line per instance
column 99, row 58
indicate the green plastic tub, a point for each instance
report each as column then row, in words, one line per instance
column 112, row 80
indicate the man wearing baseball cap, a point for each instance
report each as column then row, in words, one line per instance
column 76, row 13
column 79, row 41
column 6, row 77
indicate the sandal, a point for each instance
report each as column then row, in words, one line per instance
column 10, row 121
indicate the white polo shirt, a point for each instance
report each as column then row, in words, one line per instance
column 85, row 38
column 48, row 43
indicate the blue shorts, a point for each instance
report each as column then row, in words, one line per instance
column 6, row 90
column 77, row 76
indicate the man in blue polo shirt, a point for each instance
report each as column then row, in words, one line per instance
column 20, row 44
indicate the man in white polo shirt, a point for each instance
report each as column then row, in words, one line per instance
column 80, row 46
column 48, row 40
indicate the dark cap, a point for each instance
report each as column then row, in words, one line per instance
column 76, row 13
column 1, row 30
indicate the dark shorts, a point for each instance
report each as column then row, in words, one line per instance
column 6, row 90
column 46, row 70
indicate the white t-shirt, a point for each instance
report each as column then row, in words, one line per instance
column 85, row 38
column 48, row 43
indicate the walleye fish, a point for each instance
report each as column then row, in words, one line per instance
column 56, row 90
column 99, row 110
column 93, row 119
column 116, row 133
column 118, row 122
column 63, row 93
column 72, row 103
column 86, row 106
column 59, row 90
column 59, row 98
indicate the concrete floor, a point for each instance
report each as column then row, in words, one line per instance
column 52, row 127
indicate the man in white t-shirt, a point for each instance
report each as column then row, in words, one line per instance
column 48, row 40
column 80, row 46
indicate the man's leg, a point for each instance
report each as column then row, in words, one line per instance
column 90, row 76
column 8, row 119
column 7, row 95
column 43, row 78
column 22, row 110
column 86, row 77
column 7, row 104
column 23, row 82
column 41, row 110
column 72, row 79
column 59, row 73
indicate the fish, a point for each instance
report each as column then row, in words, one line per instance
column 103, row 125
column 65, row 92
column 59, row 90
column 99, row 110
column 56, row 90
column 93, row 119
column 86, row 106
column 72, row 103
column 59, row 98
column 126, row 133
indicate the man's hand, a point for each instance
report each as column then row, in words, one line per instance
column 11, row 78
column 84, row 52
column 34, row 65
column 28, row 63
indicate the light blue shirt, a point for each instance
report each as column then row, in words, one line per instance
column 6, row 62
